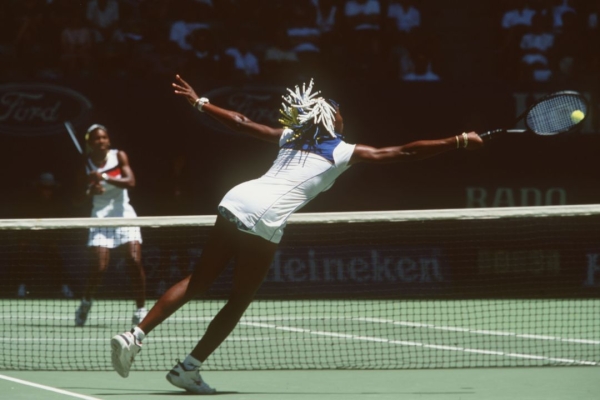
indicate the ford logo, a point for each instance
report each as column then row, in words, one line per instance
column 259, row 103
column 35, row 109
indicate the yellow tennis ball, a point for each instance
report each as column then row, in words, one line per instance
column 577, row 116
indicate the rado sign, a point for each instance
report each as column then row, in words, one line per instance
column 33, row 109
column 259, row 103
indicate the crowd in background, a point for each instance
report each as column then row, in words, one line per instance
column 263, row 40
column 275, row 41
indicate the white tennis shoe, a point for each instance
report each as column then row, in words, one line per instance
column 124, row 348
column 82, row 312
column 138, row 316
column 188, row 379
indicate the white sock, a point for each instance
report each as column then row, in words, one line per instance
column 138, row 333
column 191, row 362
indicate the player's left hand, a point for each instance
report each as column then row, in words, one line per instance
column 95, row 177
column 97, row 188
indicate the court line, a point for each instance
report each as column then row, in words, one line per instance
column 153, row 339
column 418, row 344
column 48, row 388
column 478, row 331
column 377, row 320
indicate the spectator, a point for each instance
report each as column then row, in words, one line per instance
column 245, row 64
column 365, row 56
column 569, row 50
column 558, row 10
column 535, row 47
column 103, row 15
column 77, row 44
column 326, row 15
column 279, row 57
column 521, row 15
column 40, row 249
column 157, row 56
column 405, row 35
column 592, row 61
column 155, row 16
column 422, row 70
column 29, row 40
column 191, row 17
column 302, row 29
column 204, row 57
column 304, row 35
column 403, row 16
column 111, row 34
column 363, row 14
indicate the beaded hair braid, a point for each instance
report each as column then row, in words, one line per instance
column 303, row 111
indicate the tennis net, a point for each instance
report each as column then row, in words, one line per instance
column 372, row 290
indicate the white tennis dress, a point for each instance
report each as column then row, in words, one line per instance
column 262, row 206
column 114, row 202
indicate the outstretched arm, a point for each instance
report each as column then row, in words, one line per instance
column 414, row 151
column 231, row 119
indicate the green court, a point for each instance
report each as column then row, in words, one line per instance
column 568, row 383
column 454, row 349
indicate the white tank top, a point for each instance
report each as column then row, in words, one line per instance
column 114, row 202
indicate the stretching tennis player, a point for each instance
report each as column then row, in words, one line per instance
column 252, row 216
column 109, row 176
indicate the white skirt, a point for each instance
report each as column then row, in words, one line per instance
column 114, row 237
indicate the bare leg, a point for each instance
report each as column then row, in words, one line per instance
column 136, row 272
column 219, row 249
column 251, row 267
column 102, row 255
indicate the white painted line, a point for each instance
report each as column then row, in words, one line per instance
column 418, row 344
column 153, row 339
column 48, row 388
column 478, row 331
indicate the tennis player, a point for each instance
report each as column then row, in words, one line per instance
column 252, row 216
column 107, row 184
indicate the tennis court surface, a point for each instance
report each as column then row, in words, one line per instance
column 403, row 305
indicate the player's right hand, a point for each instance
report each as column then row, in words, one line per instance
column 182, row 88
column 475, row 141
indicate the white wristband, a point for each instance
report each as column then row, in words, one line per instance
column 104, row 176
column 200, row 102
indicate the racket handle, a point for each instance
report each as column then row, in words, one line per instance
column 487, row 136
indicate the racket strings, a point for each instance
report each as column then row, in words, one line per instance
column 553, row 115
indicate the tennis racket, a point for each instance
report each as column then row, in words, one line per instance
column 553, row 114
column 73, row 136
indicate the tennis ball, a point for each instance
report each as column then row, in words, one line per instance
column 577, row 116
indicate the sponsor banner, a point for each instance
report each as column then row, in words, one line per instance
column 349, row 272
column 369, row 271
column 310, row 272
column 37, row 109
column 512, row 262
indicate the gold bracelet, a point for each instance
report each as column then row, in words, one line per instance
column 457, row 142
column 465, row 140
